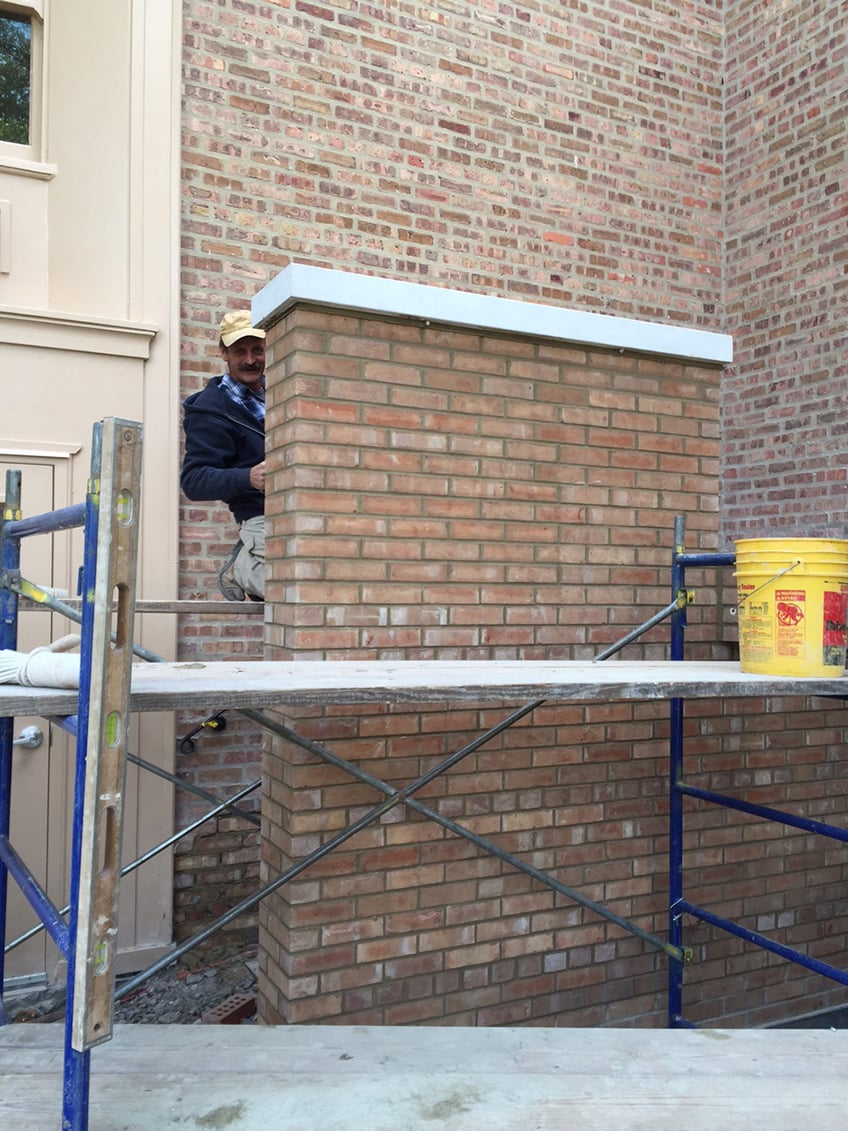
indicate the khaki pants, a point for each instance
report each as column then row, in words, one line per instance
column 249, row 566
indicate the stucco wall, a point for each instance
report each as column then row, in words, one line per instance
column 89, row 328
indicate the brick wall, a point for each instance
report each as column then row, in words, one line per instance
column 219, row 863
column 538, row 151
column 534, row 152
column 557, row 155
column 784, row 455
column 443, row 493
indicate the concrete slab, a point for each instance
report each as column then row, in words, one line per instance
column 333, row 1078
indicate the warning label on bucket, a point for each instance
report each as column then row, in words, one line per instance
column 790, row 611
column 755, row 626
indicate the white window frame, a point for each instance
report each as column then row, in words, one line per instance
column 28, row 159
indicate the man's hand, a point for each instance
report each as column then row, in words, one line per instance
column 257, row 477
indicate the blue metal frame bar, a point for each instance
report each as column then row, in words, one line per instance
column 77, row 1064
column 709, row 561
column 10, row 561
column 679, row 563
column 6, row 738
column 34, row 893
column 765, row 942
column 675, row 802
column 808, row 824
column 66, row 518
column 151, row 853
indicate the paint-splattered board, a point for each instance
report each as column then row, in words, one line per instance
column 251, row 684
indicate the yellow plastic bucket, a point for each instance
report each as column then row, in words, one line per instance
column 792, row 597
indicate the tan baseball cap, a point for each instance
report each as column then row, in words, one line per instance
column 236, row 324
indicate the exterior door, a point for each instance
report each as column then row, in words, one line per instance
column 42, row 782
column 37, row 771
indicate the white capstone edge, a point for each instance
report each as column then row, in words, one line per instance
column 371, row 294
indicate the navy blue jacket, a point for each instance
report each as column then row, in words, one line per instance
column 223, row 442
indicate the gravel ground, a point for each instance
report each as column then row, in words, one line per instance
column 181, row 994
column 211, row 981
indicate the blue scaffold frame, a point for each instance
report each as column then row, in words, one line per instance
column 109, row 518
column 76, row 1074
column 679, row 906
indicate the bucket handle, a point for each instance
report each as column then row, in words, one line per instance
column 735, row 608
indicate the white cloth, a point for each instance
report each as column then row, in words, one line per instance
column 42, row 667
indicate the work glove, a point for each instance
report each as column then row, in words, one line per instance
column 42, row 667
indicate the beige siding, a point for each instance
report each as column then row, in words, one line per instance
column 88, row 329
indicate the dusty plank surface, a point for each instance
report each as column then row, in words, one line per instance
column 333, row 1078
column 169, row 686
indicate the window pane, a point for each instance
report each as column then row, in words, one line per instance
column 15, row 59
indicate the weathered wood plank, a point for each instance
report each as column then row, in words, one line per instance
column 332, row 1078
column 202, row 686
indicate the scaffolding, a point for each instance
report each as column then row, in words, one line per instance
column 110, row 690
column 88, row 939
column 85, row 929
column 679, row 906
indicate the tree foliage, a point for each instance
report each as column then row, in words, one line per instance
column 15, row 55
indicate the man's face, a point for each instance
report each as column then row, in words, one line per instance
column 245, row 360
